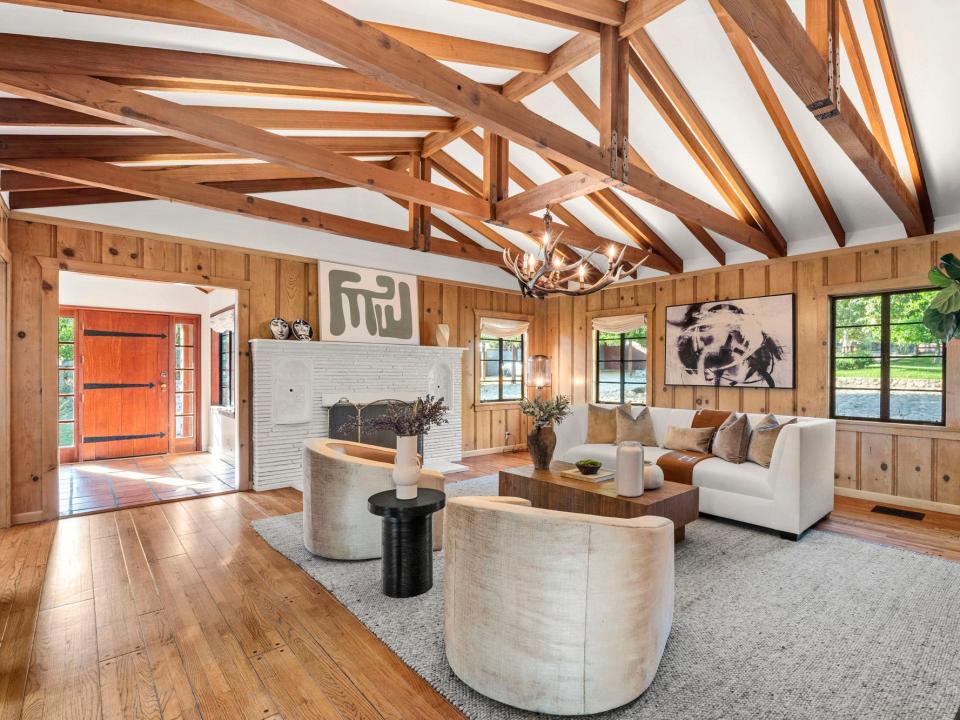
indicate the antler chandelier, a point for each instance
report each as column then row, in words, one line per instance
column 546, row 272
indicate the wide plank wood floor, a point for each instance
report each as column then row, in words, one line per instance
column 181, row 611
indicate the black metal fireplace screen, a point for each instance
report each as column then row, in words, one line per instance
column 344, row 410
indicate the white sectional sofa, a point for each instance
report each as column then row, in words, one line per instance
column 791, row 495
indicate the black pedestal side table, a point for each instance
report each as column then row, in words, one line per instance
column 407, row 540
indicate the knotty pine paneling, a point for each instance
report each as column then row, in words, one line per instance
column 887, row 459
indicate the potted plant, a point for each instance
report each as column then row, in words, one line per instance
column 942, row 316
column 542, row 439
column 408, row 422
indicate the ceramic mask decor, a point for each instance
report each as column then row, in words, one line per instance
column 302, row 330
column 280, row 328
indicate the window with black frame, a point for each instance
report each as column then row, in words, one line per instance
column 225, row 354
column 885, row 364
column 501, row 368
column 621, row 366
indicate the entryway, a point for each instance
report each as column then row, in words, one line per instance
column 146, row 375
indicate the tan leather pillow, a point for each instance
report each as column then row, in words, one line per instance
column 732, row 439
column 639, row 429
column 602, row 423
column 689, row 439
column 763, row 440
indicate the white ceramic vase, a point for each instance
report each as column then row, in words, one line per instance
column 406, row 467
column 629, row 473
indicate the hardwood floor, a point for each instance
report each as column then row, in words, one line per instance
column 100, row 485
column 180, row 611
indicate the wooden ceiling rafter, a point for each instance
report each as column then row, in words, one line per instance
column 338, row 36
column 585, row 105
column 880, row 30
column 192, row 14
column 126, row 180
column 531, row 11
column 16, row 112
column 771, row 102
column 795, row 57
column 728, row 179
column 574, row 236
column 861, row 76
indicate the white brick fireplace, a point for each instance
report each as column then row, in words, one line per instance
column 296, row 383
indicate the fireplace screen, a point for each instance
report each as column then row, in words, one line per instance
column 344, row 410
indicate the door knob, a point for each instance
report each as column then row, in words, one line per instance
column 163, row 386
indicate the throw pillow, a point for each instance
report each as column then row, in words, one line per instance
column 639, row 429
column 732, row 439
column 763, row 440
column 602, row 423
column 689, row 439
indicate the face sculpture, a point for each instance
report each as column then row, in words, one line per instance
column 302, row 330
column 280, row 328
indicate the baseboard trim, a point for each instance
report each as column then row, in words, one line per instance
column 27, row 517
column 930, row 505
column 493, row 451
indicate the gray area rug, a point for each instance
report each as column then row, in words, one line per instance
column 826, row 628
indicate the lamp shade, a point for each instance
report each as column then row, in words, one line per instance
column 538, row 371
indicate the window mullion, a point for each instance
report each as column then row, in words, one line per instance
column 885, row 357
column 623, row 367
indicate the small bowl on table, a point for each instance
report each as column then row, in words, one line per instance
column 588, row 467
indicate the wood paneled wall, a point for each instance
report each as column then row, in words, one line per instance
column 267, row 285
column 460, row 306
column 919, row 464
column 5, row 309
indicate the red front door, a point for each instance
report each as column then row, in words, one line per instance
column 124, row 383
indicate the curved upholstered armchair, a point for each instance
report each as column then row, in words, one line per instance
column 338, row 477
column 555, row 612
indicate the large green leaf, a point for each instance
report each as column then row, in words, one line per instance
column 947, row 300
column 943, row 326
column 937, row 278
column 951, row 265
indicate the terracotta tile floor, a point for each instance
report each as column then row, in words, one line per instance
column 109, row 484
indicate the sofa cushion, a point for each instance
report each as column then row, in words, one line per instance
column 732, row 439
column 744, row 479
column 764, row 439
column 636, row 429
column 665, row 417
column 690, row 439
column 602, row 423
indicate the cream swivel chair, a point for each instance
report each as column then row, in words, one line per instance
column 338, row 477
column 555, row 612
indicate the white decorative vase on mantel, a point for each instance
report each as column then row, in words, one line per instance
column 406, row 467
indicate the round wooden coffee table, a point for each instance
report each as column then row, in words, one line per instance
column 407, row 568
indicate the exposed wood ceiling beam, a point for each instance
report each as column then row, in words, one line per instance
column 820, row 17
column 614, row 100
column 152, row 148
column 777, row 33
column 532, row 11
column 187, row 12
column 111, row 177
column 340, row 37
column 861, row 75
column 80, row 195
column 575, row 94
column 768, row 96
column 218, row 175
column 607, row 12
column 16, row 112
column 711, row 149
column 581, row 237
column 496, row 175
column 167, row 69
column 880, row 30
column 525, row 183
column 572, row 53
column 567, row 187
column 110, row 101
column 641, row 12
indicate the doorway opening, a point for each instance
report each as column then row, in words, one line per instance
column 146, row 380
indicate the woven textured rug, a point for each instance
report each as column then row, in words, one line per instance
column 828, row 628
